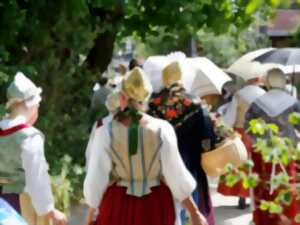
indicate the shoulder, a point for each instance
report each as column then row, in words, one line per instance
column 103, row 121
column 31, row 132
column 33, row 141
column 154, row 123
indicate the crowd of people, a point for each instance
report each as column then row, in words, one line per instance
column 144, row 152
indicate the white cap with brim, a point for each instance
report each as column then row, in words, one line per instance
column 23, row 89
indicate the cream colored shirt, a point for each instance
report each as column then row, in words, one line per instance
column 37, row 181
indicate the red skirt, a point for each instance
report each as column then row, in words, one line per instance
column 119, row 208
column 237, row 189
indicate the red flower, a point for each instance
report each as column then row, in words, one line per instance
column 187, row 102
column 171, row 113
column 157, row 101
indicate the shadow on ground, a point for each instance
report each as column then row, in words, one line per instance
column 226, row 215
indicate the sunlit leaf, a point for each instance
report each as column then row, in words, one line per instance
column 231, row 179
column 273, row 127
column 253, row 6
column 250, row 181
column 275, row 208
column 286, row 198
column 294, row 118
column 264, row 205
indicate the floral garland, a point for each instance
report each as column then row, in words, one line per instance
column 173, row 105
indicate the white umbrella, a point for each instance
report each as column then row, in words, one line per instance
column 247, row 69
column 200, row 76
column 207, row 77
column 154, row 65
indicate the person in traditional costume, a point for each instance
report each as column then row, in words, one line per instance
column 273, row 107
column 194, row 131
column 235, row 118
column 135, row 175
column 98, row 107
column 24, row 179
column 99, row 98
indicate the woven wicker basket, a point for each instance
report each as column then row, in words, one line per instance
column 232, row 151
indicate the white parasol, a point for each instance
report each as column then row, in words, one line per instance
column 247, row 69
column 200, row 76
column 208, row 77
column 154, row 66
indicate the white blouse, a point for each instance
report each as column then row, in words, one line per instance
column 99, row 166
column 37, row 181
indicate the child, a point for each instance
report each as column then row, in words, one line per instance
column 24, row 179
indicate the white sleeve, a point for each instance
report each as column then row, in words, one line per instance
column 90, row 143
column 37, row 181
column 231, row 112
column 178, row 178
column 98, row 168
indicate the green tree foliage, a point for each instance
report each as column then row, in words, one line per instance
column 65, row 45
column 223, row 49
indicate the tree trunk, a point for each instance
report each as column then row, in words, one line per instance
column 101, row 54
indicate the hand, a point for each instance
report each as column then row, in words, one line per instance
column 197, row 218
column 90, row 223
column 58, row 217
column 285, row 220
column 90, row 217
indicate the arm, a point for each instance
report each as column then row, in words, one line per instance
column 183, row 184
column 196, row 218
column 37, row 181
column 90, row 143
column 98, row 171
column 90, row 216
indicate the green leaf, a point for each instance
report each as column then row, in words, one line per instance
column 273, row 127
column 294, row 118
column 275, row 3
column 257, row 126
column 264, row 205
column 275, row 208
column 286, row 198
column 231, row 179
column 249, row 164
column 3, row 77
column 229, row 168
column 252, row 6
column 284, row 158
column 2, row 111
column 250, row 181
